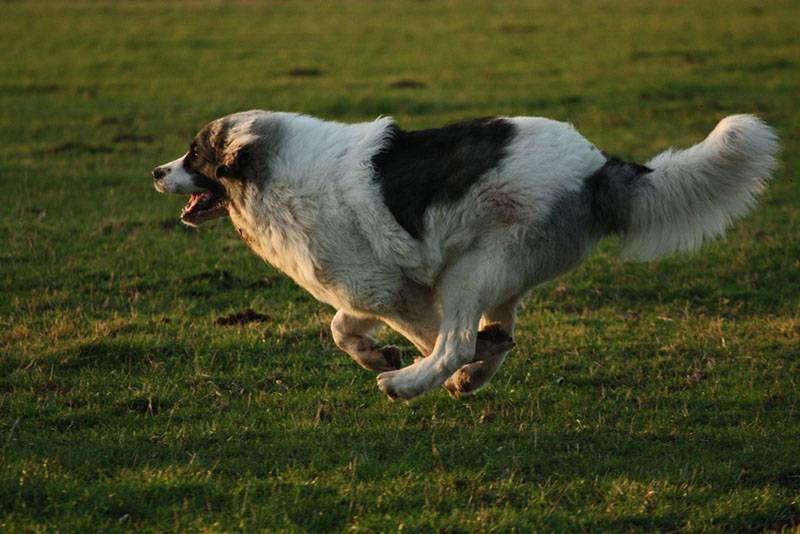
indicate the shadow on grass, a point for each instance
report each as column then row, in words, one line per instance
column 119, row 354
column 305, row 470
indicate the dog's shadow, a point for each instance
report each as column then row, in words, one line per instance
column 328, row 451
column 497, row 452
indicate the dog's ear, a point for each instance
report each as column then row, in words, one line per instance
column 235, row 164
column 227, row 171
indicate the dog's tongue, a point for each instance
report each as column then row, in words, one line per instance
column 202, row 207
column 194, row 200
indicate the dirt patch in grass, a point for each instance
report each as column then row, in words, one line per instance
column 688, row 56
column 511, row 27
column 218, row 278
column 133, row 138
column 305, row 72
column 247, row 316
column 407, row 83
column 115, row 121
column 225, row 279
column 74, row 146
column 31, row 89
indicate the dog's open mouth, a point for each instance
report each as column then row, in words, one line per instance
column 203, row 207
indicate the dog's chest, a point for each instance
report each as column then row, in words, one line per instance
column 345, row 277
column 289, row 249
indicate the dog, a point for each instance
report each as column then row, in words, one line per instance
column 440, row 233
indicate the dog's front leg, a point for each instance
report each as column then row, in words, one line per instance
column 494, row 340
column 353, row 335
column 455, row 346
column 459, row 295
column 465, row 288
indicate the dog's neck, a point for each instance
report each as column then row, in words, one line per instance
column 313, row 152
column 313, row 166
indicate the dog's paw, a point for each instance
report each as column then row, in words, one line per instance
column 388, row 358
column 385, row 384
column 492, row 344
column 398, row 384
column 468, row 379
column 459, row 384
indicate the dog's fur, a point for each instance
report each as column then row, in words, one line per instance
column 440, row 233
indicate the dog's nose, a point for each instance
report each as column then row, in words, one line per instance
column 159, row 173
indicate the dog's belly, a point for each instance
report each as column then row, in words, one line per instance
column 371, row 291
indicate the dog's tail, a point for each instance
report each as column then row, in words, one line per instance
column 692, row 195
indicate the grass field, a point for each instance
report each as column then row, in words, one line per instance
column 656, row 396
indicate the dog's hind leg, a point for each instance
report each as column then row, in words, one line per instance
column 352, row 334
column 420, row 329
column 495, row 339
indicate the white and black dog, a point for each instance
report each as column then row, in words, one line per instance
column 440, row 233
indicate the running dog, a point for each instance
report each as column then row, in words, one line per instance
column 440, row 233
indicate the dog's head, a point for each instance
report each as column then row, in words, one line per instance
column 222, row 159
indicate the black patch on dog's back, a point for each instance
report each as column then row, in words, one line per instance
column 421, row 168
column 610, row 190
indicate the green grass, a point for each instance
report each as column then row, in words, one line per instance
column 640, row 397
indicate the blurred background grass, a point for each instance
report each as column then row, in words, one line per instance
column 641, row 396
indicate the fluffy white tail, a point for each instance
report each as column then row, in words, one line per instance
column 692, row 195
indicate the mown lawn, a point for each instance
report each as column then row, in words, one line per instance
column 656, row 396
